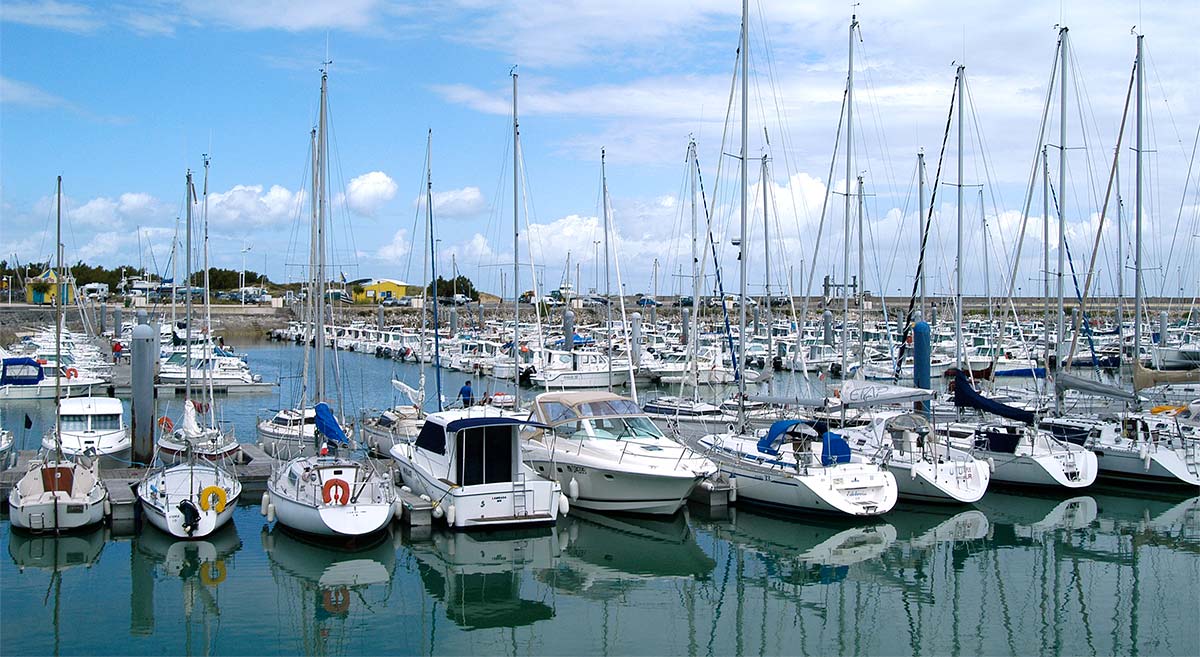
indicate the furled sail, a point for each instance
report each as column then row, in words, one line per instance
column 1064, row 382
column 966, row 396
column 1148, row 378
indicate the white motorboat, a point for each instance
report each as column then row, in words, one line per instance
column 289, row 433
column 468, row 461
column 608, row 455
column 578, row 369
column 25, row 378
column 397, row 424
column 6, row 445
column 330, row 495
column 189, row 500
column 92, row 425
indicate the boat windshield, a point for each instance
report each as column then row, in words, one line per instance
column 73, row 422
column 609, row 407
column 609, row 428
column 107, row 422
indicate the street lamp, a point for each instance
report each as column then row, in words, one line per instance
column 245, row 249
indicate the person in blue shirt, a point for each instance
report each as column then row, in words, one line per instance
column 466, row 395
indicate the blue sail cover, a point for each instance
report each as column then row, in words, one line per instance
column 966, row 396
column 21, row 372
column 327, row 424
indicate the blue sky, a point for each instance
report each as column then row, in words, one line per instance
column 121, row 98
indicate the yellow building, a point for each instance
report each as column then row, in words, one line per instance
column 382, row 289
column 41, row 289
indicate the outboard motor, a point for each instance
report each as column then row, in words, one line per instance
column 191, row 516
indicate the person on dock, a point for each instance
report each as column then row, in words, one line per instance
column 466, row 395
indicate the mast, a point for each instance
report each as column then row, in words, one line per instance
column 1062, row 197
column 849, row 175
column 958, row 263
column 320, row 175
column 1046, row 252
column 516, row 348
column 310, row 303
column 58, row 315
column 209, row 345
column 694, row 343
column 921, row 220
column 987, row 279
column 862, row 279
column 1137, row 215
column 1120, row 264
column 608, row 332
column 739, row 367
column 437, row 344
column 187, row 372
column 767, row 264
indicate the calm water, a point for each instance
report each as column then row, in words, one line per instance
column 1107, row 572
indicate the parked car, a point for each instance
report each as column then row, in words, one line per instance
column 648, row 301
column 683, row 302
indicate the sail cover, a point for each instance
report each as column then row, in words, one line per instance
column 327, row 424
column 966, row 396
column 1063, row 382
column 861, row 394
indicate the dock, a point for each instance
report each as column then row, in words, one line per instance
column 253, row 469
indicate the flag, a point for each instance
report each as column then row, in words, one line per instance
column 28, row 422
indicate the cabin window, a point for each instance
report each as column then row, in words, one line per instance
column 73, row 422
column 432, row 438
column 107, row 422
column 556, row 412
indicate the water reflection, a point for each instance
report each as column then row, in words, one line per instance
column 481, row 578
column 56, row 554
column 329, row 591
column 606, row 556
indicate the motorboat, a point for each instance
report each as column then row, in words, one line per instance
column 468, row 462
column 608, row 455
column 92, row 425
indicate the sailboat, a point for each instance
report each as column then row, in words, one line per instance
column 196, row 496
column 1134, row 446
column 323, row 493
column 790, row 465
column 57, row 494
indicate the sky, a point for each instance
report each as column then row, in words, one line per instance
column 123, row 98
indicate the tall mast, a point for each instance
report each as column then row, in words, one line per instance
column 958, row 263
column 1046, row 253
column 316, row 333
column 188, row 193
column 921, row 220
column 319, row 301
column 516, row 344
column 1120, row 263
column 862, row 279
column 739, row 367
column 767, row 263
column 1062, row 195
column 58, row 315
column 987, row 279
column 849, row 175
column 1137, row 214
column 608, row 331
column 437, row 344
column 694, row 342
column 208, row 356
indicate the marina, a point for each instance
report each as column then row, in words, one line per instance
column 804, row 405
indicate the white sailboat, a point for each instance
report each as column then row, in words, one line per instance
column 196, row 495
column 57, row 494
column 323, row 493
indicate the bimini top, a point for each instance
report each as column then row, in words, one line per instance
column 556, row 407
column 769, row 444
column 21, row 372
column 432, row 437
column 328, row 425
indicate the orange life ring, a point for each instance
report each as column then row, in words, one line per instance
column 166, row 424
column 336, row 601
column 71, row 372
column 341, row 485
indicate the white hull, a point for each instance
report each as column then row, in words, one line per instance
column 557, row 379
column 331, row 520
column 77, row 389
column 609, row 489
column 1076, row 468
column 163, row 491
column 943, row 483
column 43, row 516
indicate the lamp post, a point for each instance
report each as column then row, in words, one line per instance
column 242, row 292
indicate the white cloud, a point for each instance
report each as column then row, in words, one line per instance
column 396, row 249
column 15, row 92
column 247, row 205
column 290, row 15
column 455, row 203
column 66, row 16
column 367, row 193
